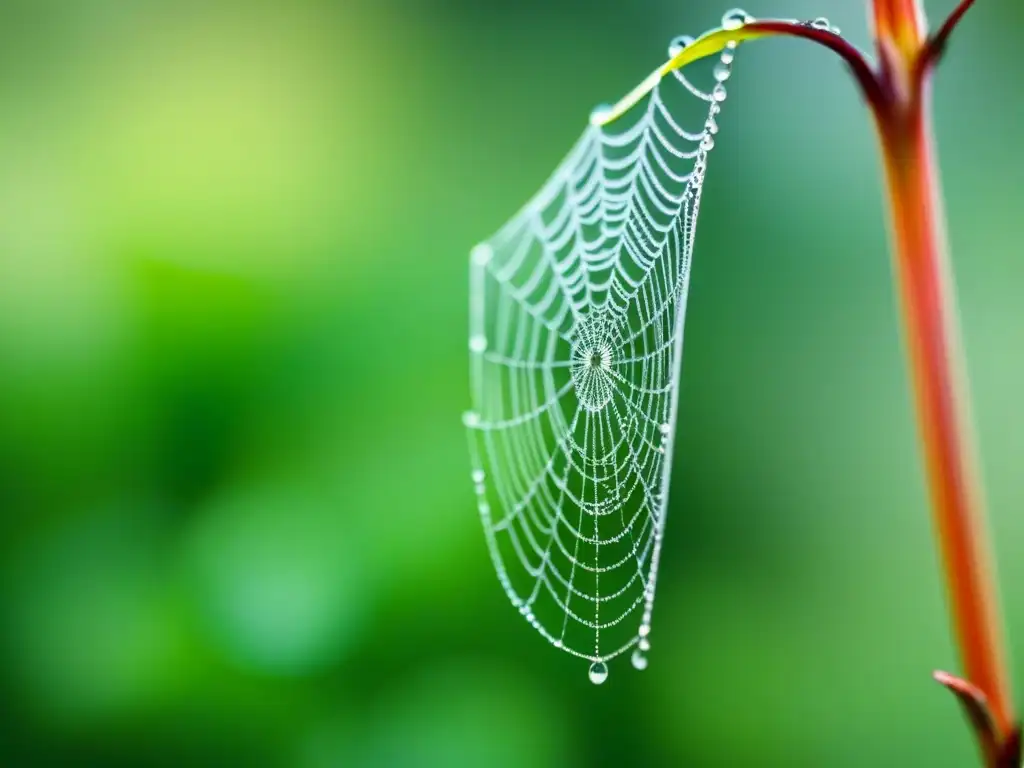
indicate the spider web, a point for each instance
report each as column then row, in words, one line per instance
column 576, row 331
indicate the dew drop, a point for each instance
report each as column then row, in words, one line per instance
column 678, row 43
column 639, row 660
column 477, row 343
column 736, row 18
column 644, row 644
column 598, row 672
column 599, row 113
column 478, row 476
column 728, row 54
column 665, row 428
column 471, row 419
column 718, row 93
column 482, row 254
column 822, row 23
column 722, row 72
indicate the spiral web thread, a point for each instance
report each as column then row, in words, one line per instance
column 576, row 331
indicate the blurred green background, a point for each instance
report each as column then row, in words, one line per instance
column 237, row 522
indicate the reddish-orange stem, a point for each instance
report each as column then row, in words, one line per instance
column 931, row 325
column 933, row 343
column 900, row 22
column 898, row 93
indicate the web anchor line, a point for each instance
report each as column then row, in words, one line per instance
column 577, row 309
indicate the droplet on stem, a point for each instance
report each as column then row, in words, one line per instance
column 736, row 18
column 677, row 45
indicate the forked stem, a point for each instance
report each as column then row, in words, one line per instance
column 933, row 342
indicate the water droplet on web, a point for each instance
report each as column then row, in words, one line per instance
column 471, row 419
column 644, row 644
column 665, row 428
column 718, row 93
column 639, row 660
column 477, row 343
column 722, row 71
column 482, row 254
column 728, row 54
column 677, row 45
column 478, row 476
column 598, row 672
column 599, row 113
column 736, row 18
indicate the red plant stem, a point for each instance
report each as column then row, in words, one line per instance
column 934, row 349
column 900, row 22
column 899, row 96
column 859, row 67
column 931, row 327
column 937, row 43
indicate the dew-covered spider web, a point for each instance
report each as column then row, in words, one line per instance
column 576, row 332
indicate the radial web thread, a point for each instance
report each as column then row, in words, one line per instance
column 576, row 329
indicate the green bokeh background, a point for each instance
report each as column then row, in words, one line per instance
column 237, row 522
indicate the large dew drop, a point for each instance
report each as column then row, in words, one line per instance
column 736, row 18
column 598, row 672
column 824, row 24
column 600, row 113
column 677, row 45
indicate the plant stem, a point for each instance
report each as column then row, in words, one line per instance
column 934, row 349
column 900, row 22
